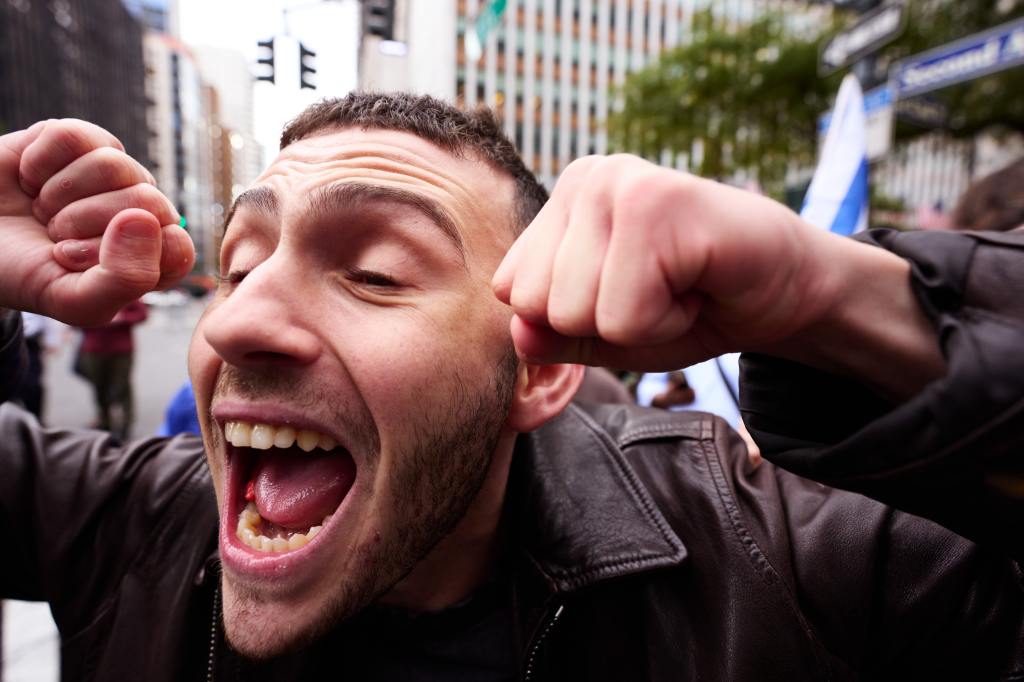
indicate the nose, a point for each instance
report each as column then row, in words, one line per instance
column 265, row 319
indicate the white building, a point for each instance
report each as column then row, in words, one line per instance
column 178, row 120
column 550, row 68
column 420, row 53
column 229, row 73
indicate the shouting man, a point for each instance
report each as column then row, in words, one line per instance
column 395, row 485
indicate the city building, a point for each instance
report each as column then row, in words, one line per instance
column 550, row 68
column 406, row 45
column 234, row 159
column 229, row 73
column 73, row 59
column 203, row 151
column 180, row 149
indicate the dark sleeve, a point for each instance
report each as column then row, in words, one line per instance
column 79, row 510
column 953, row 453
column 12, row 353
column 894, row 595
column 889, row 595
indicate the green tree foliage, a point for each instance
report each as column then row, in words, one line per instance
column 749, row 97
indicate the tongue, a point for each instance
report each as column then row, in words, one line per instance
column 297, row 490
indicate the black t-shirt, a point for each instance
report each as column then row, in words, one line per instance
column 472, row 641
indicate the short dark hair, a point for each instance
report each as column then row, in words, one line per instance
column 996, row 202
column 454, row 130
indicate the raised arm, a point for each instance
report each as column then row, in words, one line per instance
column 888, row 366
column 635, row 266
column 83, row 228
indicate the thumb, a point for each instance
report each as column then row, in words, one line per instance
column 129, row 256
column 129, row 267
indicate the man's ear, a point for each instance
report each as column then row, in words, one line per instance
column 542, row 392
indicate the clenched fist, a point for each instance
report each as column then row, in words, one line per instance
column 83, row 228
column 634, row 266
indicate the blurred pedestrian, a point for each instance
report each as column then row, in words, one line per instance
column 180, row 416
column 995, row 203
column 677, row 393
column 711, row 386
column 105, row 361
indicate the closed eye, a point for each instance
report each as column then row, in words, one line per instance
column 370, row 278
column 234, row 277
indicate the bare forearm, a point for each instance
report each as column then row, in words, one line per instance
column 875, row 331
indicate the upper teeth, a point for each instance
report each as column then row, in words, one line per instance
column 264, row 436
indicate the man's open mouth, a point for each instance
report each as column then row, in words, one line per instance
column 286, row 483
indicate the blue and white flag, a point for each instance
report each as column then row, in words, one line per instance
column 837, row 199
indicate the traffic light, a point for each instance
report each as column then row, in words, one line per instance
column 268, row 46
column 379, row 18
column 306, row 68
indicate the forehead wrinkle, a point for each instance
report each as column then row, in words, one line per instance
column 380, row 157
column 326, row 201
column 403, row 169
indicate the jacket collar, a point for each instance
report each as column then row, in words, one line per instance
column 582, row 514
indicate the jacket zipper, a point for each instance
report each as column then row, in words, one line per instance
column 538, row 642
column 212, row 657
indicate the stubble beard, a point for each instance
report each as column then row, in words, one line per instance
column 435, row 481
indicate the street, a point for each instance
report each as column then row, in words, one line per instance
column 30, row 648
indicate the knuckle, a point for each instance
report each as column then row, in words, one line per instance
column 69, row 136
column 142, row 277
column 582, row 165
column 147, row 197
column 528, row 304
column 113, row 167
column 616, row 328
column 621, row 158
column 649, row 193
column 47, row 203
column 31, row 171
column 570, row 322
column 63, row 226
column 639, row 183
column 134, row 272
column 575, row 176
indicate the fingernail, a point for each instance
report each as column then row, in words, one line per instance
column 75, row 252
column 139, row 229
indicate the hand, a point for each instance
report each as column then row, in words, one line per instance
column 638, row 267
column 83, row 228
column 630, row 265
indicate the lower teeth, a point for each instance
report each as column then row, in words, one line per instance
column 250, row 519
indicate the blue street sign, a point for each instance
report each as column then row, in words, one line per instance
column 966, row 59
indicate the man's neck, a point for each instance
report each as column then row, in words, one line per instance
column 466, row 557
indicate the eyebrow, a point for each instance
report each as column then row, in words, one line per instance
column 260, row 199
column 327, row 201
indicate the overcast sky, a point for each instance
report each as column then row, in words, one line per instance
column 330, row 28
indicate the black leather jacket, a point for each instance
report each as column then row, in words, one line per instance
column 644, row 547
